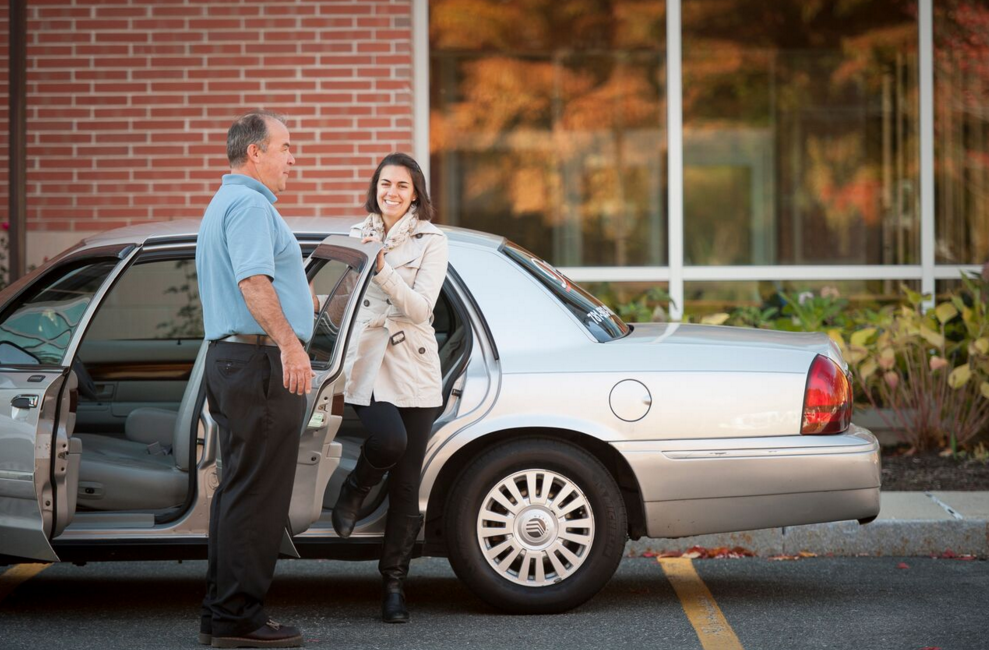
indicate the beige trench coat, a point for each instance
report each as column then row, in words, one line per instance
column 393, row 351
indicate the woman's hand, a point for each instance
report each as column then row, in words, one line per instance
column 381, row 253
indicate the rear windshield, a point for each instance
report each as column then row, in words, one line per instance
column 600, row 321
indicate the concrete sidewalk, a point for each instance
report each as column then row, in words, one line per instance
column 910, row 523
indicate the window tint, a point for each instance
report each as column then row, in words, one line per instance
column 593, row 314
column 334, row 283
column 152, row 300
column 37, row 328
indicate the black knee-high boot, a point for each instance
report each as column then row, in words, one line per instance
column 352, row 494
column 401, row 532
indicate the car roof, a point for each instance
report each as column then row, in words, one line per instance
column 313, row 227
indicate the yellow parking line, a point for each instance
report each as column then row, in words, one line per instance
column 17, row 574
column 699, row 605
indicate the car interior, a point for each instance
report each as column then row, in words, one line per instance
column 139, row 371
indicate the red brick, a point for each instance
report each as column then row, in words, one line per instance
column 188, row 11
column 177, row 36
column 178, row 87
column 157, row 74
column 333, row 85
column 130, row 137
column 374, row 22
column 104, row 176
column 47, row 13
column 276, row 23
column 392, row 84
column 176, row 111
column 341, row 8
column 216, row 24
column 189, row 136
column 234, row 61
column 120, row 12
column 297, row 85
column 213, row 73
column 65, row 138
column 126, row 163
column 161, row 49
column 177, row 213
column 276, row 9
column 297, row 61
column 238, row 10
column 327, row 46
column 120, row 113
column 131, row 62
column 90, row 100
column 288, row 36
column 374, row 47
column 118, row 87
column 120, row 37
column 102, row 200
column 58, row 113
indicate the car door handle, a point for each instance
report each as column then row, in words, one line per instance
column 25, row 402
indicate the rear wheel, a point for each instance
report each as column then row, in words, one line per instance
column 535, row 526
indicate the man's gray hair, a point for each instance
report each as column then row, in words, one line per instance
column 249, row 129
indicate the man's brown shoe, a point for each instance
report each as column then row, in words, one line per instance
column 269, row 635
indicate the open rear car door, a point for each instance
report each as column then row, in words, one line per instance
column 340, row 270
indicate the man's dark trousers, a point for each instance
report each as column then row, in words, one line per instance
column 259, row 424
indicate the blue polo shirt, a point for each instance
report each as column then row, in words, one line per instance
column 242, row 235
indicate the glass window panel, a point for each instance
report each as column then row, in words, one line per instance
column 800, row 132
column 548, row 125
column 153, row 300
column 961, row 131
column 705, row 298
column 38, row 327
column 634, row 302
column 333, row 284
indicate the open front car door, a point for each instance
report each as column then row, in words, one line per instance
column 42, row 318
column 339, row 270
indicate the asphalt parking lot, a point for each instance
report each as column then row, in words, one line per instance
column 753, row 603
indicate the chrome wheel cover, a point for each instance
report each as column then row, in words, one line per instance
column 535, row 528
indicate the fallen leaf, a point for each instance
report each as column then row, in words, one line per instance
column 691, row 555
column 670, row 554
column 649, row 553
column 807, row 554
column 902, row 565
column 778, row 558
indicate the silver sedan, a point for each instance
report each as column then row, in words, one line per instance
column 564, row 431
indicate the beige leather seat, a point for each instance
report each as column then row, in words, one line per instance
column 142, row 473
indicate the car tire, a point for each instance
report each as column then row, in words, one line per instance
column 510, row 580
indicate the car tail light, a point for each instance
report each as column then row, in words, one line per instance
column 827, row 399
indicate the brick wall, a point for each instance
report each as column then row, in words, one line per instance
column 129, row 102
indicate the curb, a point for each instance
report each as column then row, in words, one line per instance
column 842, row 539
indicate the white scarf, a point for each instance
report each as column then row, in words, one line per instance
column 374, row 226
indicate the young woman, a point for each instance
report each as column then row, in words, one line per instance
column 393, row 367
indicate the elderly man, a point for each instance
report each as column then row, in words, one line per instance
column 258, row 312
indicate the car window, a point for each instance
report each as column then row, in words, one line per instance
column 600, row 321
column 40, row 323
column 157, row 299
column 333, row 285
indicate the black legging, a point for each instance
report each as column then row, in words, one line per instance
column 398, row 437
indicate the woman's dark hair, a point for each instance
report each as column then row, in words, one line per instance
column 424, row 208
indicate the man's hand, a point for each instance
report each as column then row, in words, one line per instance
column 297, row 372
column 262, row 301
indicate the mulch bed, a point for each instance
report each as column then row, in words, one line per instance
column 921, row 472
